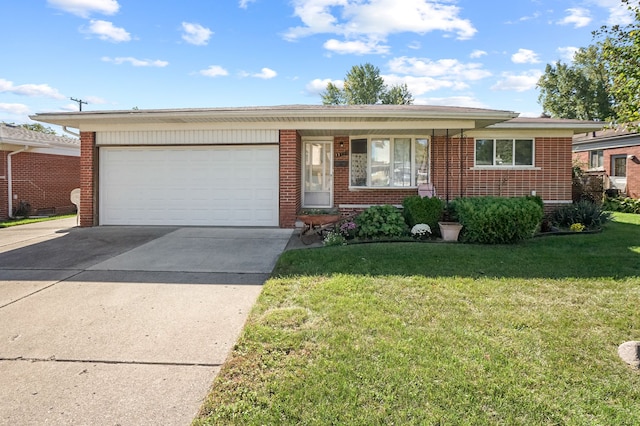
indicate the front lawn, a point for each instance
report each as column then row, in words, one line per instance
column 28, row 220
column 434, row 333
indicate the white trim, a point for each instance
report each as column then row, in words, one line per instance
column 188, row 137
column 365, row 206
column 557, row 201
column 505, row 168
column 329, row 169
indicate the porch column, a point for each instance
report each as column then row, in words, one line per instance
column 290, row 177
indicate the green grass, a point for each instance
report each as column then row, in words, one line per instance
column 442, row 334
column 17, row 222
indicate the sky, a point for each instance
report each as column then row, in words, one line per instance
column 125, row 54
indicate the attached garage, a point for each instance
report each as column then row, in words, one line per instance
column 230, row 185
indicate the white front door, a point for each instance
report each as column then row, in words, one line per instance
column 317, row 173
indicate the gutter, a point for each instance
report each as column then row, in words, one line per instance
column 10, row 180
column 64, row 128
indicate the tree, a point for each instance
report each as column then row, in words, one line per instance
column 621, row 51
column 363, row 85
column 36, row 127
column 580, row 90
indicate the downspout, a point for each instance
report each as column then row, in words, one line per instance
column 10, row 180
column 64, row 128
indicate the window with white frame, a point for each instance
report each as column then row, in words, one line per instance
column 504, row 152
column 389, row 162
column 596, row 159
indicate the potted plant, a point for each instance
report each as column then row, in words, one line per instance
column 449, row 226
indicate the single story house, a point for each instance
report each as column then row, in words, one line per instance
column 613, row 152
column 37, row 169
column 259, row 166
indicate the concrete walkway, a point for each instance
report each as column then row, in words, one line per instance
column 122, row 325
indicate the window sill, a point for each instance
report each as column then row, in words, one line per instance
column 505, row 168
column 373, row 188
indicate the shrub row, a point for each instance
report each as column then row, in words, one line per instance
column 497, row 220
column 585, row 212
column 622, row 204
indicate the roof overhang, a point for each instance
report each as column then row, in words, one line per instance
column 524, row 123
column 312, row 120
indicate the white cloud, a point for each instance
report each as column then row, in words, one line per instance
column 618, row 12
column 518, row 82
column 567, row 53
column 245, row 3
column 95, row 100
column 265, row 73
column 460, row 101
column 477, row 54
column 577, row 16
column 14, row 109
column 355, row 47
column 136, row 62
column 196, row 34
column 374, row 20
column 419, row 85
column 444, row 68
column 84, row 8
column 525, row 56
column 214, row 71
column 415, row 45
column 317, row 86
column 32, row 90
column 105, row 30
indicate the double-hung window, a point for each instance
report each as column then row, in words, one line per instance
column 389, row 162
column 596, row 159
column 504, row 152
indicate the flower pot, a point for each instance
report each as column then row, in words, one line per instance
column 449, row 230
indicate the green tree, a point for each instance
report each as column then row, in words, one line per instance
column 580, row 90
column 621, row 51
column 36, row 127
column 363, row 85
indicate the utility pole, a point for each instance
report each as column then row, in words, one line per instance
column 79, row 101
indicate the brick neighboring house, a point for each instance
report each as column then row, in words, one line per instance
column 37, row 169
column 258, row 166
column 616, row 154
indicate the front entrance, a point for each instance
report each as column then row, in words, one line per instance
column 317, row 172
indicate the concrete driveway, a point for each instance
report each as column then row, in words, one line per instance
column 122, row 325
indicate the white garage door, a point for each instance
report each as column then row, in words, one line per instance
column 208, row 186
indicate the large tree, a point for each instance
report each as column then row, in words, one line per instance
column 579, row 90
column 621, row 51
column 363, row 85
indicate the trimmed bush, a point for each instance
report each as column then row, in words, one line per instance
column 422, row 210
column 379, row 222
column 497, row 220
column 622, row 204
column 585, row 212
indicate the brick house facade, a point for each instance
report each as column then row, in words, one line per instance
column 116, row 144
column 40, row 169
column 615, row 153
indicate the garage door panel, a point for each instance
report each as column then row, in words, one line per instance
column 207, row 186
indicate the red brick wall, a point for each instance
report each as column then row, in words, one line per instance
column 633, row 168
column 42, row 180
column 88, row 180
column 552, row 181
column 290, row 177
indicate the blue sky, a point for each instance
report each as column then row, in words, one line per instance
column 121, row 54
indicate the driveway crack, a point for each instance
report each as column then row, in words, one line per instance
column 111, row 362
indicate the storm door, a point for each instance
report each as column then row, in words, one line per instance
column 317, row 171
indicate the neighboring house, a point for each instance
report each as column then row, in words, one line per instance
column 258, row 166
column 616, row 153
column 37, row 169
